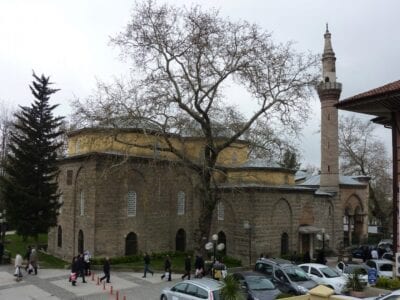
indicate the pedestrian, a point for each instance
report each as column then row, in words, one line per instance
column 306, row 257
column 199, row 266
column 167, row 268
column 374, row 254
column 146, row 259
column 188, row 267
column 74, row 271
column 86, row 259
column 106, row 270
column 27, row 256
column 33, row 261
column 81, row 267
column 18, row 265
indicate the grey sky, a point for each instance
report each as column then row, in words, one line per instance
column 68, row 40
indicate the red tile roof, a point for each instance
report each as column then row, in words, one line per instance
column 385, row 89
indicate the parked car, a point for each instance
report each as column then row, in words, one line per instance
column 388, row 256
column 390, row 296
column 346, row 269
column 325, row 275
column 257, row 286
column 361, row 251
column 383, row 267
column 203, row 288
column 289, row 278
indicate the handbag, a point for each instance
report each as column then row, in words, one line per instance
column 72, row 277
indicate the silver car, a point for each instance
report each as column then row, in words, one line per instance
column 195, row 289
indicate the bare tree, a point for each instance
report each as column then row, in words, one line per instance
column 362, row 153
column 6, row 120
column 183, row 61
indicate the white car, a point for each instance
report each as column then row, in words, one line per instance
column 383, row 267
column 325, row 275
column 391, row 296
column 346, row 269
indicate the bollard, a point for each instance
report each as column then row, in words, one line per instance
column 104, row 286
column 92, row 276
column 111, row 290
column 124, row 297
column 98, row 280
column 117, row 295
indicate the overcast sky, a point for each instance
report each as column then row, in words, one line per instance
column 69, row 40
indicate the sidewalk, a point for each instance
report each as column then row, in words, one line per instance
column 53, row 284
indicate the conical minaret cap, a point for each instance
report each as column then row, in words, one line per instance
column 328, row 50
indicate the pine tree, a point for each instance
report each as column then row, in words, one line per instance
column 29, row 187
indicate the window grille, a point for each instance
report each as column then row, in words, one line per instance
column 220, row 211
column 181, row 203
column 131, row 203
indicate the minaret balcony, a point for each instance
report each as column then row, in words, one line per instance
column 329, row 86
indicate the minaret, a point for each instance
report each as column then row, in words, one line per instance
column 329, row 92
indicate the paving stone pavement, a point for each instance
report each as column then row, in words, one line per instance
column 52, row 284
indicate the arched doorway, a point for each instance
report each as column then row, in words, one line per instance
column 284, row 243
column 180, row 240
column 222, row 239
column 131, row 245
column 80, row 242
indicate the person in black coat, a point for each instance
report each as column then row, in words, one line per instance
column 188, row 267
column 74, row 270
column 199, row 266
column 81, row 267
column 106, row 270
column 146, row 259
column 167, row 268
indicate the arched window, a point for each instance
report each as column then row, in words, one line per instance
column 80, row 242
column 131, row 244
column 222, row 239
column 132, row 201
column 181, row 203
column 220, row 211
column 284, row 243
column 180, row 240
column 81, row 203
column 59, row 236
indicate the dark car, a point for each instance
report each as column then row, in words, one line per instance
column 362, row 251
column 289, row 278
column 256, row 286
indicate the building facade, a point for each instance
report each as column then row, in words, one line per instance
column 123, row 199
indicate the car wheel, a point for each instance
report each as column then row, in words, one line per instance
column 163, row 297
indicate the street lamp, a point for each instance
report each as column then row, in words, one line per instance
column 247, row 226
column 322, row 237
column 215, row 246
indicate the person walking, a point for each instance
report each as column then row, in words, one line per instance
column 86, row 259
column 199, row 266
column 188, row 267
column 146, row 259
column 18, row 265
column 81, row 267
column 27, row 257
column 106, row 270
column 33, row 260
column 167, row 268
column 74, row 271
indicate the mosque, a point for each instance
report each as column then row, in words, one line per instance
column 120, row 200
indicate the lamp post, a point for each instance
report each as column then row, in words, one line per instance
column 214, row 246
column 247, row 226
column 322, row 237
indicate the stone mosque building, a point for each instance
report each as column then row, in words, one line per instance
column 122, row 201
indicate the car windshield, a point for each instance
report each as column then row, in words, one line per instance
column 329, row 272
column 259, row 283
column 296, row 274
column 359, row 269
column 386, row 267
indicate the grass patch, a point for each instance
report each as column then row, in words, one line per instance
column 15, row 244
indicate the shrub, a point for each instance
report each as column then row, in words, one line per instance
column 388, row 283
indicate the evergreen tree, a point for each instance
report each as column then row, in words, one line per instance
column 29, row 188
